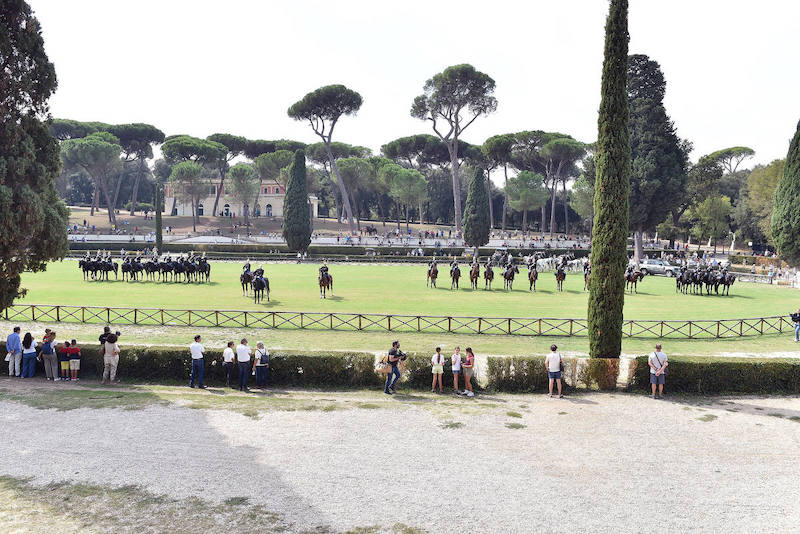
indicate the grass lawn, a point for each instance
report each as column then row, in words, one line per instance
column 400, row 290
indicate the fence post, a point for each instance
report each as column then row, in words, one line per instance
column 508, row 328
column 6, row 312
column 630, row 332
column 359, row 321
column 108, row 315
column 449, row 324
column 570, row 327
column 58, row 314
column 273, row 319
column 390, row 322
column 162, row 316
column 780, row 324
column 330, row 316
column 33, row 312
column 741, row 327
column 762, row 326
column 216, row 317
column 540, row 327
column 245, row 320
column 83, row 314
column 690, row 329
column 419, row 330
column 717, row 327
column 189, row 319
column 662, row 329
column 135, row 318
column 301, row 320
column 479, row 325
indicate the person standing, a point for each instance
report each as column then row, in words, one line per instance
column 49, row 356
column 394, row 357
column 14, row 349
column 197, row 351
column 555, row 363
column 455, row 361
column 243, row 358
column 28, row 356
column 468, row 368
column 796, row 320
column 227, row 362
column 658, row 370
column 74, row 359
column 437, row 368
column 260, row 365
column 110, row 359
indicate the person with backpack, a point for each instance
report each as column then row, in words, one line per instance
column 555, row 366
column 49, row 356
column 658, row 370
column 796, row 320
column 260, row 365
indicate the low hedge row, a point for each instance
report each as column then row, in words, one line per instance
column 525, row 374
column 717, row 375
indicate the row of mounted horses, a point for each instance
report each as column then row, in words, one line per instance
column 134, row 269
column 509, row 274
column 694, row 281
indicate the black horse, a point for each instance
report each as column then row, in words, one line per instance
column 246, row 279
column 455, row 274
column 260, row 288
column 508, row 276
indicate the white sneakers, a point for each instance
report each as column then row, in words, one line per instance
column 469, row 394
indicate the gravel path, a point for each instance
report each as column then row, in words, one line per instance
column 591, row 463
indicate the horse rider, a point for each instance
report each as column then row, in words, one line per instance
column 258, row 273
column 323, row 271
column 431, row 266
column 246, row 267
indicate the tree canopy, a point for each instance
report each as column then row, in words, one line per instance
column 99, row 155
column 244, row 183
column 526, row 192
column 786, row 213
column 476, row 212
column 296, row 219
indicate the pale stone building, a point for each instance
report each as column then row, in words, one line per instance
column 268, row 204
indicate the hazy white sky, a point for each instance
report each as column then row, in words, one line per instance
column 199, row 67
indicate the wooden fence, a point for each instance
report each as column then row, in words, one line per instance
column 370, row 322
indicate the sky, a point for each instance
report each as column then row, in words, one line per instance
column 199, row 67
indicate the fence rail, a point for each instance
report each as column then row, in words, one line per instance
column 370, row 322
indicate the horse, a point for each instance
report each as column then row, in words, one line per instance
column 325, row 285
column 204, row 270
column 488, row 276
column 455, row 274
column 533, row 275
column 560, row 275
column 632, row 279
column 587, row 274
column 508, row 276
column 127, row 271
column 474, row 274
column 433, row 273
column 260, row 287
column 727, row 281
column 246, row 279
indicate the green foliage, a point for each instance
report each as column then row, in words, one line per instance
column 601, row 373
column 659, row 159
column 609, row 246
column 786, row 214
column 296, row 221
column 406, row 186
column 720, row 375
column 244, row 183
column 730, row 158
column 761, row 186
column 269, row 165
column 476, row 212
column 137, row 139
column 327, row 103
column 141, row 206
column 187, row 148
column 526, row 192
column 99, row 155
column 712, row 216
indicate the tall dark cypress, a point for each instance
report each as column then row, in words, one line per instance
column 476, row 212
column 609, row 245
column 296, row 222
column 159, row 224
column 786, row 213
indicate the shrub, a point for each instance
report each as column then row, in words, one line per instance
column 601, row 373
column 525, row 374
column 140, row 206
column 721, row 375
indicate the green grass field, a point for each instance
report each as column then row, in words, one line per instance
column 400, row 290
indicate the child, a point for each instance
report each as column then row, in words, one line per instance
column 437, row 368
column 74, row 359
column 63, row 358
column 455, row 359
column 468, row 367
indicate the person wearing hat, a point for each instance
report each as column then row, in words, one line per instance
column 658, row 370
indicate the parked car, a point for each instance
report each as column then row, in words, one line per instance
column 660, row 267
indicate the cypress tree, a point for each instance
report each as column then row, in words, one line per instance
column 159, row 224
column 476, row 212
column 609, row 245
column 786, row 211
column 34, row 218
column 296, row 222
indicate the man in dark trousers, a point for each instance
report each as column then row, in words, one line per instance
column 395, row 355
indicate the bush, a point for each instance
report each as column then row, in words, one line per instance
column 140, row 206
column 601, row 373
column 718, row 375
column 526, row 374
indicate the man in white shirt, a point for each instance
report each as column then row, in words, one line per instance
column 227, row 362
column 198, row 351
column 243, row 357
column 554, row 361
column 658, row 369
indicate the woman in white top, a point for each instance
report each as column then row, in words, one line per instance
column 455, row 359
column 227, row 362
column 28, row 356
column 554, row 361
column 261, row 364
column 437, row 368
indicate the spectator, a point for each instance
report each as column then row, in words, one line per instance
column 658, row 369
column 14, row 356
column 468, row 368
column 227, row 362
column 243, row 357
column 49, row 356
column 796, row 320
column 74, row 359
column 28, row 356
column 63, row 360
column 395, row 355
column 110, row 359
column 455, row 360
column 260, row 365
column 555, row 366
column 437, row 368
column 197, row 351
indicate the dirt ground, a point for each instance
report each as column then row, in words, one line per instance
column 495, row 463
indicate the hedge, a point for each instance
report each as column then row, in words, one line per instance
column 526, row 374
column 721, row 375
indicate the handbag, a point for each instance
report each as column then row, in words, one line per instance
column 383, row 368
column 8, row 357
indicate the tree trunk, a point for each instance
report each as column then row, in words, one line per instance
column 407, row 227
column 638, row 251
column 159, row 225
column 246, row 209
column 453, row 147
column 505, row 197
column 336, row 207
column 544, row 219
column 174, row 204
column 348, row 210
column 399, row 213
column 219, row 191
column 135, row 191
column 489, row 193
column 116, row 189
column 353, row 203
column 194, row 219
column 566, row 211
column 553, row 208
column 420, row 212
column 95, row 199
column 525, row 222
column 111, row 216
